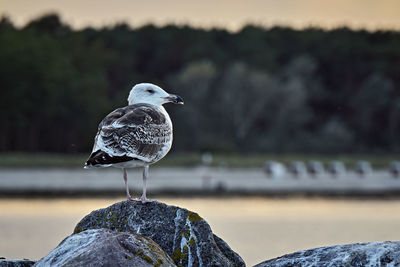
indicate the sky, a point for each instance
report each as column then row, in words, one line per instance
column 229, row 14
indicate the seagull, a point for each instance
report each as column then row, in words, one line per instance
column 137, row 135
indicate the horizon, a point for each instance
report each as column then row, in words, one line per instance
column 357, row 15
column 197, row 27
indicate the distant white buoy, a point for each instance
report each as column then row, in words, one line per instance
column 274, row 169
column 297, row 168
column 206, row 158
column 336, row 168
column 363, row 168
column 394, row 168
column 315, row 168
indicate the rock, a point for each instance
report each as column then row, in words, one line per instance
column 103, row 247
column 359, row 254
column 182, row 234
column 15, row 263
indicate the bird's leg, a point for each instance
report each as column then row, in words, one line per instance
column 128, row 196
column 145, row 175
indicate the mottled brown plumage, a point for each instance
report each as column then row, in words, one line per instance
column 137, row 135
column 135, row 132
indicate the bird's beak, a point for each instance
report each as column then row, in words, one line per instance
column 174, row 99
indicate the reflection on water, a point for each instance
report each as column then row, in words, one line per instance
column 256, row 228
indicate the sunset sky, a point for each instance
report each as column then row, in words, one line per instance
column 230, row 14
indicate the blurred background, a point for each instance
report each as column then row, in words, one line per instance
column 288, row 139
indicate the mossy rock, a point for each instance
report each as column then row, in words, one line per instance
column 184, row 235
column 357, row 254
column 103, row 247
column 15, row 263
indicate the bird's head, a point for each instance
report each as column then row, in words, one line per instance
column 151, row 94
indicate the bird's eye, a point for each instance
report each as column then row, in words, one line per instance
column 151, row 91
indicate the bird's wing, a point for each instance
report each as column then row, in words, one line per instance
column 138, row 131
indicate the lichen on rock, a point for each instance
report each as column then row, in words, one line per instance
column 358, row 254
column 182, row 234
column 103, row 247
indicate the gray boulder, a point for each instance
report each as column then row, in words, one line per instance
column 103, row 247
column 359, row 254
column 182, row 234
column 15, row 263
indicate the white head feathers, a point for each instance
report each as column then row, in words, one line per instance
column 151, row 94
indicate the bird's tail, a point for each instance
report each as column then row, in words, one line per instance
column 102, row 159
column 87, row 166
column 95, row 160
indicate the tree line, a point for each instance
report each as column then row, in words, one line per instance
column 259, row 90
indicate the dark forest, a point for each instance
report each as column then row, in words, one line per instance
column 258, row 90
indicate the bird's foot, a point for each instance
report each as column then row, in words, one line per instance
column 144, row 200
column 129, row 198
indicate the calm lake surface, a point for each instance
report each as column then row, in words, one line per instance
column 256, row 228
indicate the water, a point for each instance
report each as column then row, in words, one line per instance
column 197, row 180
column 256, row 228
